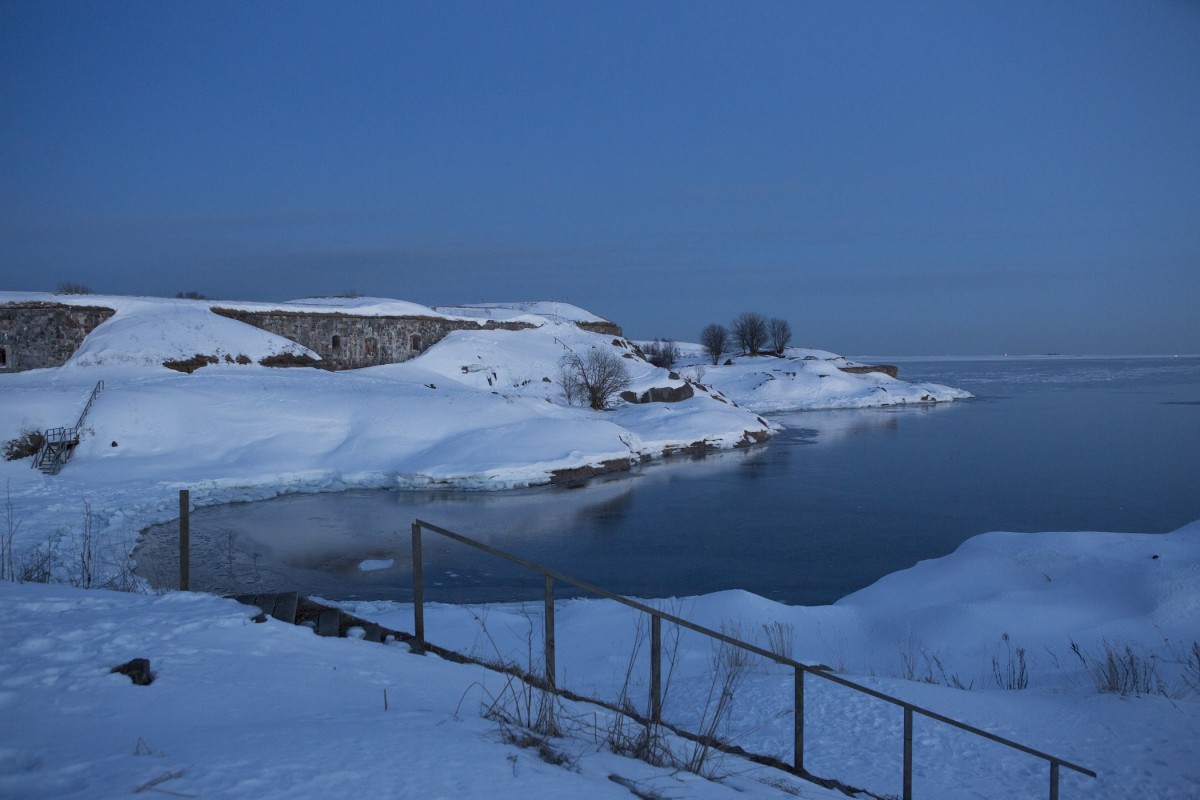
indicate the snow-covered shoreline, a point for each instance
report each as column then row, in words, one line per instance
column 946, row 634
column 479, row 410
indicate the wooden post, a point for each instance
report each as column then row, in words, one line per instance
column 550, row 680
column 798, row 724
column 418, row 590
column 184, row 541
column 655, row 669
column 908, row 734
column 1053, row 780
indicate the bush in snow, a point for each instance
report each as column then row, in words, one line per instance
column 662, row 353
column 750, row 331
column 72, row 287
column 780, row 333
column 715, row 341
column 592, row 378
column 25, row 445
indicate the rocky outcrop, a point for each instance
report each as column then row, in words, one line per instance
column 886, row 369
column 577, row 475
column 660, row 394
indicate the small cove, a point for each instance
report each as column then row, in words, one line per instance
column 833, row 503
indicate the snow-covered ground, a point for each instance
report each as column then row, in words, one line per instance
column 804, row 379
column 270, row 710
column 481, row 409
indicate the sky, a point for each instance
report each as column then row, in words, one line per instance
column 918, row 178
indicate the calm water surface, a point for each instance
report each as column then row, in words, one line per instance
column 833, row 503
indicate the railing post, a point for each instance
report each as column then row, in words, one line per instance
column 185, row 578
column 1053, row 780
column 655, row 669
column 908, row 733
column 550, row 633
column 418, row 591
column 798, row 724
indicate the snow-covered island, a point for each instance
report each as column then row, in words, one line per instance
column 481, row 408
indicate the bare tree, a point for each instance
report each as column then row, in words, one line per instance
column 750, row 331
column 715, row 341
column 662, row 353
column 780, row 334
column 593, row 377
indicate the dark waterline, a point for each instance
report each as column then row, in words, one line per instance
column 833, row 503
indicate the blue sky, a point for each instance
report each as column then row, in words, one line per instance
column 892, row 178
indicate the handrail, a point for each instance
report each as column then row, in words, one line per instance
column 64, row 435
column 656, row 616
column 88, row 406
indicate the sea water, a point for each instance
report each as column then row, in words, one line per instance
column 834, row 502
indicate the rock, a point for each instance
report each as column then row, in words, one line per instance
column 660, row 394
column 578, row 475
column 138, row 670
column 886, row 369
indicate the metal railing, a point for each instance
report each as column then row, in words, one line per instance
column 655, row 700
column 59, row 443
column 88, row 406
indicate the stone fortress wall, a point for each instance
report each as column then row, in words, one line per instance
column 348, row 341
column 36, row 335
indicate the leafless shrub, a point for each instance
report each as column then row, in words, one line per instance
column 524, row 701
column 8, row 570
column 781, row 638
column 1012, row 673
column 73, row 287
column 83, row 571
column 592, row 378
column 38, row 566
column 190, row 295
column 290, row 360
column 527, row 740
column 749, row 330
column 779, row 332
column 190, row 365
column 1191, row 672
column 662, row 353
column 25, row 445
column 715, row 341
column 1122, row 669
column 730, row 665
column 918, row 664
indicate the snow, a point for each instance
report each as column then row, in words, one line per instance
column 804, row 379
column 482, row 409
column 550, row 309
column 225, row 687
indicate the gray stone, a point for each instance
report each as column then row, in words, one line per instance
column 38, row 335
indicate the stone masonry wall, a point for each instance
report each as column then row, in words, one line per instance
column 39, row 335
column 346, row 341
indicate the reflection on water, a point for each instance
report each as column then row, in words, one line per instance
column 828, row 506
